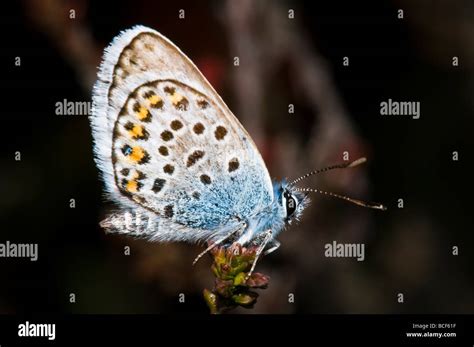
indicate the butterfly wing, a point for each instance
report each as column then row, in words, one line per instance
column 166, row 143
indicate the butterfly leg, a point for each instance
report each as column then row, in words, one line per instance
column 274, row 245
column 267, row 237
column 221, row 240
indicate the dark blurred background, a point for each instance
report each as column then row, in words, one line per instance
column 337, row 108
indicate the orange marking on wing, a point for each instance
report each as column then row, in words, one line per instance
column 137, row 154
column 136, row 131
column 154, row 99
column 142, row 113
column 132, row 186
column 176, row 98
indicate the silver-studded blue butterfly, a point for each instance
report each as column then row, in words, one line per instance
column 175, row 158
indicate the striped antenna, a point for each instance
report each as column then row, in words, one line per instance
column 373, row 205
column 332, row 167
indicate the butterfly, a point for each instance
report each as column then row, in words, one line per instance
column 176, row 160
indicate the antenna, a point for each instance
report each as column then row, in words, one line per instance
column 332, row 167
column 373, row 205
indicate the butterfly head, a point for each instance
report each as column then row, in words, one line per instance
column 291, row 202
